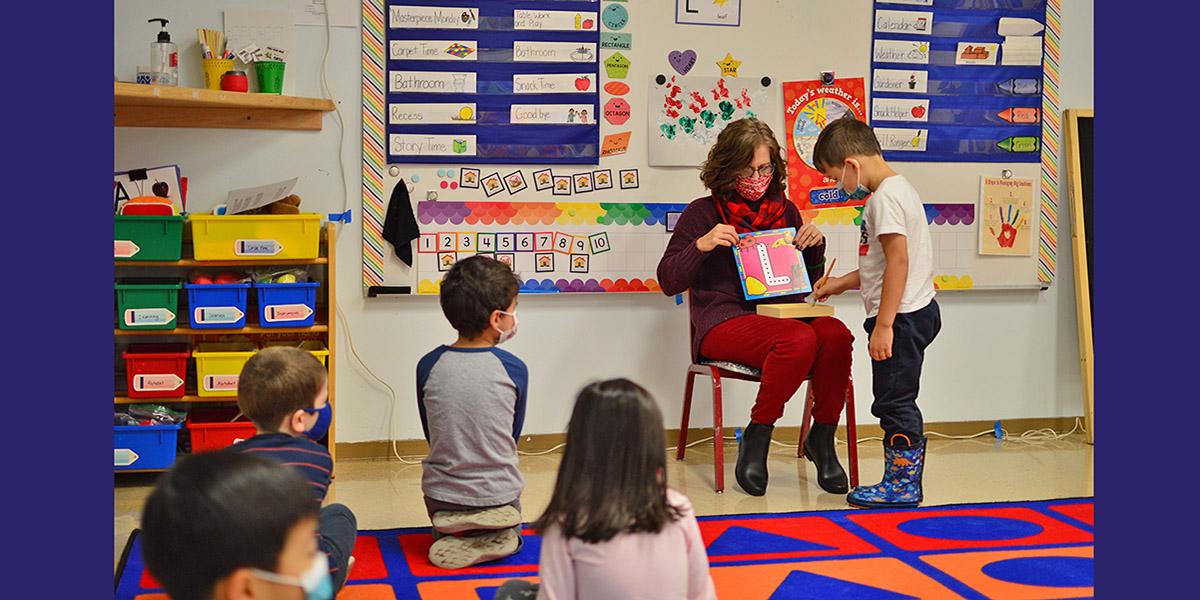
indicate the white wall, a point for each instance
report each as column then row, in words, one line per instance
column 1000, row 355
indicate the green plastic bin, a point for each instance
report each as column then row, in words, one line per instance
column 147, row 238
column 147, row 303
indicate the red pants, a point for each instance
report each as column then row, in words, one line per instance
column 788, row 351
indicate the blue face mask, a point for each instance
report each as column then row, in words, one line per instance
column 859, row 192
column 315, row 582
column 324, row 418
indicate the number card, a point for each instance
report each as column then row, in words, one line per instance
column 543, row 262
column 544, row 242
column 599, row 243
column 579, row 245
column 562, row 243
column 486, row 242
column 524, row 242
column 466, row 242
column 769, row 265
column 427, row 244
column 506, row 242
column 447, row 242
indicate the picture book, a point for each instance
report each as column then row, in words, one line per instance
column 769, row 264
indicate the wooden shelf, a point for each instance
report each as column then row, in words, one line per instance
column 247, row 330
column 189, row 398
column 188, row 262
column 137, row 105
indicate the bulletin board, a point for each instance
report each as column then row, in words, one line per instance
column 559, row 188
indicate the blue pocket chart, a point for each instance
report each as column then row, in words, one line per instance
column 493, row 81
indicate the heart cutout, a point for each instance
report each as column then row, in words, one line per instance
column 682, row 61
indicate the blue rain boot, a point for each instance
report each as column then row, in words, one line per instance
column 901, row 485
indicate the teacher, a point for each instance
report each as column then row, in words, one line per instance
column 745, row 174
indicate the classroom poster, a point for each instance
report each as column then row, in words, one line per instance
column 808, row 107
column 1006, row 206
column 687, row 113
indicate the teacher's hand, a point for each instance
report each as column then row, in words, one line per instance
column 721, row 235
column 808, row 236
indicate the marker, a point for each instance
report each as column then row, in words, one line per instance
column 1021, row 86
column 1020, row 115
column 1019, row 143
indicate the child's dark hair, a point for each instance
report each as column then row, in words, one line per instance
column 277, row 382
column 844, row 137
column 612, row 478
column 734, row 151
column 216, row 512
column 474, row 288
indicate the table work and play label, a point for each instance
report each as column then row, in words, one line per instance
column 216, row 315
column 257, row 247
column 157, row 382
column 221, row 383
column 281, row 313
column 125, row 249
column 141, row 317
column 554, row 20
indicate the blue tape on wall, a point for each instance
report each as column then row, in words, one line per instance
column 928, row 106
column 496, row 138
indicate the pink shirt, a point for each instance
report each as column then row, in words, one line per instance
column 668, row 565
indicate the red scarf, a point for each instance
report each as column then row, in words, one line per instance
column 734, row 211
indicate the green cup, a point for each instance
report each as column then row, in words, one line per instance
column 270, row 76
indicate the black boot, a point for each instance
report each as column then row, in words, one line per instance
column 819, row 448
column 751, row 470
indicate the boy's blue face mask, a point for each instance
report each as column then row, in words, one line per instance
column 321, row 427
column 859, row 192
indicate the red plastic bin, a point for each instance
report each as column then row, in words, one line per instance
column 156, row 370
column 213, row 428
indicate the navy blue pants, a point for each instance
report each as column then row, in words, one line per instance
column 898, row 379
column 337, row 530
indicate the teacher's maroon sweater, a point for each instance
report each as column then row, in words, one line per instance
column 712, row 278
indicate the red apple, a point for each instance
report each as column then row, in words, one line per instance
column 587, row 24
column 583, row 83
column 918, row 111
column 160, row 189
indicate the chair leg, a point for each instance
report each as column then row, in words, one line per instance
column 687, row 409
column 806, row 420
column 851, row 434
column 718, row 433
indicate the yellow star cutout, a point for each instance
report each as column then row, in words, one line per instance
column 729, row 66
column 720, row 2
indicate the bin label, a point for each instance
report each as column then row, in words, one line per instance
column 220, row 383
column 277, row 313
column 257, row 247
column 158, row 382
column 125, row 249
column 123, row 457
column 211, row 315
column 135, row 317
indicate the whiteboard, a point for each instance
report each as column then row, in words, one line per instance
column 786, row 40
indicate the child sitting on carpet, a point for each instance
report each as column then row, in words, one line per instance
column 471, row 398
column 613, row 528
column 285, row 391
column 208, row 534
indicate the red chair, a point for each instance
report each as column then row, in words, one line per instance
column 717, row 370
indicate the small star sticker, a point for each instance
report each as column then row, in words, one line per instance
column 729, row 66
column 720, row 2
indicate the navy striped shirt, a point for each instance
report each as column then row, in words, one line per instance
column 309, row 458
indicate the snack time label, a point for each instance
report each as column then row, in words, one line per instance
column 257, row 247
column 162, row 382
column 135, row 317
column 221, row 383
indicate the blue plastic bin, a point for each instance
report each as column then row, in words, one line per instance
column 137, row 447
column 287, row 304
column 217, row 305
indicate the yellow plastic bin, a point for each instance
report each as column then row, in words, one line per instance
column 314, row 347
column 218, row 365
column 252, row 237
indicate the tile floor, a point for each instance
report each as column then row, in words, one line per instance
column 387, row 494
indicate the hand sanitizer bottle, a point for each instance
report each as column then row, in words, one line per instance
column 164, row 57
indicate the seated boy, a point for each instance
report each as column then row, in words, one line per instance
column 285, row 391
column 895, row 277
column 471, row 397
column 225, row 526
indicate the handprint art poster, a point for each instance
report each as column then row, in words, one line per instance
column 687, row 113
column 1006, row 208
column 769, row 265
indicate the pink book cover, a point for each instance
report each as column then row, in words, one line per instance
column 769, row 265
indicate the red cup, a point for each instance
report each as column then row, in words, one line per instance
column 235, row 81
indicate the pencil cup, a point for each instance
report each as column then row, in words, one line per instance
column 214, row 68
column 270, row 76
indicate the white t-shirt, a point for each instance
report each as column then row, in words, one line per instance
column 895, row 207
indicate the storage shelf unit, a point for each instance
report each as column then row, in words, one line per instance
column 138, row 105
